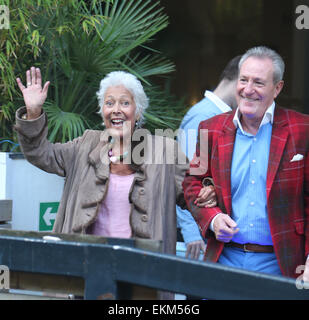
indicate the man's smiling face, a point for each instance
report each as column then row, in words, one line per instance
column 255, row 87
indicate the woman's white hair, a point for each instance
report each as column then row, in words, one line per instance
column 131, row 83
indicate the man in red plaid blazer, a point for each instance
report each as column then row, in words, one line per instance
column 284, row 199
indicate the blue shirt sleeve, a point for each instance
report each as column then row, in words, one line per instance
column 188, row 226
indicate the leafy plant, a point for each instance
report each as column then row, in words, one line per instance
column 76, row 43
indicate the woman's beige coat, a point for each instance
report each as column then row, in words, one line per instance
column 84, row 163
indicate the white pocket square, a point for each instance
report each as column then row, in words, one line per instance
column 297, row 157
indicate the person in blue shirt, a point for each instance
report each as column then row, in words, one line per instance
column 222, row 99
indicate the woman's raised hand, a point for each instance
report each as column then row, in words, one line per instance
column 34, row 95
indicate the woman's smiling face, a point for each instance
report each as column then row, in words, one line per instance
column 119, row 109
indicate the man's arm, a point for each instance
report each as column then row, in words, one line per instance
column 51, row 157
column 306, row 195
column 212, row 221
column 192, row 183
column 187, row 137
column 191, row 234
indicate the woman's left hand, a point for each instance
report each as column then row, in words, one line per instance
column 206, row 198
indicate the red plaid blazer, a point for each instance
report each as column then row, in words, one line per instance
column 287, row 184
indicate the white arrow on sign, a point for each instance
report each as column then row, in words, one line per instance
column 47, row 216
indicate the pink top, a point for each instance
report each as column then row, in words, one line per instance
column 113, row 219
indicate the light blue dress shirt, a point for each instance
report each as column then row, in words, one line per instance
column 248, row 181
column 249, row 203
column 248, row 186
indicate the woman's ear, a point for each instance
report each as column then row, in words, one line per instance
column 137, row 119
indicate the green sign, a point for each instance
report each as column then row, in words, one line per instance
column 48, row 211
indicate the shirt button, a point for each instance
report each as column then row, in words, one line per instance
column 254, row 139
column 252, row 203
column 144, row 218
column 253, row 182
column 251, row 224
column 142, row 191
column 254, row 161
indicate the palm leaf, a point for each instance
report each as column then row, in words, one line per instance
column 62, row 125
column 165, row 111
column 76, row 43
column 146, row 66
column 130, row 24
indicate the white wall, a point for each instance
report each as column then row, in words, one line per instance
column 3, row 159
column 27, row 186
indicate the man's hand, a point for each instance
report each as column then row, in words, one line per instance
column 194, row 249
column 224, row 227
column 34, row 95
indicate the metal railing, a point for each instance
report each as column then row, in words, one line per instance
column 107, row 268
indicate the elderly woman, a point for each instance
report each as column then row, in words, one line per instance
column 107, row 192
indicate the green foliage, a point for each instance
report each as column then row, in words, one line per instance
column 76, row 43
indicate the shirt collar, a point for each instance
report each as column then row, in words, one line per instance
column 268, row 117
column 217, row 101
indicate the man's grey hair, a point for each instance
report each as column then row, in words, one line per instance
column 132, row 84
column 263, row 53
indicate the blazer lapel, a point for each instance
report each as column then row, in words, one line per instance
column 225, row 153
column 99, row 159
column 279, row 137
